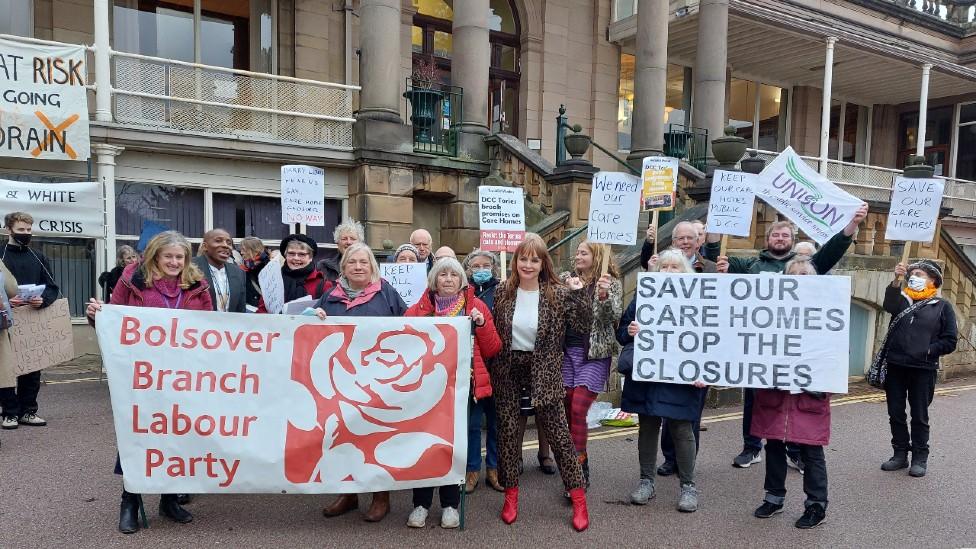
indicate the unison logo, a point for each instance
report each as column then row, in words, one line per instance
column 796, row 186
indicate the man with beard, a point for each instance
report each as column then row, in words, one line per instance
column 227, row 281
column 779, row 250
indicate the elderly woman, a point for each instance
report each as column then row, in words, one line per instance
column 803, row 421
column 587, row 353
column 346, row 234
column 165, row 278
column 450, row 295
column 299, row 275
column 679, row 404
column 532, row 312
column 406, row 253
column 125, row 256
column 481, row 269
column 360, row 291
column 922, row 329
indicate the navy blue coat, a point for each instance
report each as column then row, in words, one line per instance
column 386, row 302
column 667, row 400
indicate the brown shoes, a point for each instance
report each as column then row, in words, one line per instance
column 342, row 505
column 471, row 481
column 379, row 507
column 491, row 479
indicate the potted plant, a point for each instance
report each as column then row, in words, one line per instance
column 424, row 100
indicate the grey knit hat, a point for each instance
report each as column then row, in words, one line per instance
column 406, row 248
column 930, row 268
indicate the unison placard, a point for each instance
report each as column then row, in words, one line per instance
column 762, row 331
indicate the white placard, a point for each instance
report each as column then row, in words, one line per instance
column 817, row 206
column 408, row 279
column 731, row 203
column 303, row 195
column 501, row 215
column 43, row 101
column 615, row 203
column 272, row 287
column 208, row 402
column 914, row 210
column 62, row 209
column 762, row 331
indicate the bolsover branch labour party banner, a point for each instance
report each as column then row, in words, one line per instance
column 210, row 402
column 43, row 101
column 808, row 199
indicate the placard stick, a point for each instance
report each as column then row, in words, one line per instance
column 605, row 262
column 725, row 245
column 654, row 218
column 504, row 271
column 904, row 256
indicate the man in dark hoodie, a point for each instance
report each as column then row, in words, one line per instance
column 28, row 266
column 780, row 237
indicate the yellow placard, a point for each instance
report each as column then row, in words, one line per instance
column 659, row 176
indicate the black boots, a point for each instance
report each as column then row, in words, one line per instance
column 920, row 464
column 169, row 507
column 897, row 461
column 129, row 512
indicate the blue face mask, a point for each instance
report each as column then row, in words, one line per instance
column 480, row 277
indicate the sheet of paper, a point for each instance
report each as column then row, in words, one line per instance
column 299, row 305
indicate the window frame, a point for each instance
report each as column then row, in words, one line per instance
column 30, row 20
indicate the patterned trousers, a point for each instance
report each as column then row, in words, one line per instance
column 550, row 417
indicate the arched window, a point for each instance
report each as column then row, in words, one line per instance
column 432, row 38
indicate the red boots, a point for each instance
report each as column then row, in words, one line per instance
column 510, row 510
column 581, row 518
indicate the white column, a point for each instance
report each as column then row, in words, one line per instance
column 103, row 60
column 825, row 108
column 105, row 164
column 923, row 108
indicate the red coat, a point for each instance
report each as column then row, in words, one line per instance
column 487, row 344
column 131, row 290
column 315, row 285
column 800, row 418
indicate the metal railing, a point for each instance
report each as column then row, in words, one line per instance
column 435, row 113
column 688, row 144
column 875, row 182
column 166, row 93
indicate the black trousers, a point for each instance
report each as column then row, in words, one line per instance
column 917, row 386
column 814, row 473
column 20, row 400
column 450, row 496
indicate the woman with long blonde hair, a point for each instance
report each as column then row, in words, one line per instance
column 532, row 312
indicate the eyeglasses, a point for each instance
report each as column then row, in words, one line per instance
column 297, row 254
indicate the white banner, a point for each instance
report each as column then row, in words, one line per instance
column 208, row 402
column 501, row 214
column 763, row 331
column 43, row 101
column 408, row 279
column 303, row 195
column 914, row 209
column 62, row 209
column 615, row 203
column 817, row 206
column 731, row 203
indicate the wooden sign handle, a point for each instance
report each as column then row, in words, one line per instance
column 654, row 221
column 504, row 271
column 904, row 256
column 605, row 262
column 725, row 245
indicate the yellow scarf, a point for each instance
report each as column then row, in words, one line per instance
column 928, row 292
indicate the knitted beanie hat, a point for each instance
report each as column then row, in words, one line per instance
column 930, row 268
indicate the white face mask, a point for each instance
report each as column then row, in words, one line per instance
column 917, row 283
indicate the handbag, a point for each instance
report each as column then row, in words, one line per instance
column 878, row 372
column 6, row 312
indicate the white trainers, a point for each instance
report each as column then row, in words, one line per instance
column 417, row 518
column 33, row 420
column 9, row 422
column 450, row 518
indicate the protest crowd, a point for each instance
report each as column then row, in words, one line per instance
column 544, row 345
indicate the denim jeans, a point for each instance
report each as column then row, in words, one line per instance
column 481, row 413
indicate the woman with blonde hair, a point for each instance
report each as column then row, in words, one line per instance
column 533, row 310
column 166, row 278
column 587, row 353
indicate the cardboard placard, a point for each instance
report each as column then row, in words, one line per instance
column 501, row 214
column 41, row 338
column 62, row 209
column 408, row 279
column 659, row 177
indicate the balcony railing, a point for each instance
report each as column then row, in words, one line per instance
column 874, row 183
column 189, row 97
column 687, row 143
column 435, row 113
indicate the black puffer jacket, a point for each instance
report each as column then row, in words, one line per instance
column 923, row 336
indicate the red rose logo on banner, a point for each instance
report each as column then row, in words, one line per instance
column 385, row 415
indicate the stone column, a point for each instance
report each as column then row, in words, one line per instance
column 105, row 164
column 379, row 68
column 923, row 108
column 103, row 59
column 650, row 80
column 710, row 65
column 470, row 63
column 825, row 105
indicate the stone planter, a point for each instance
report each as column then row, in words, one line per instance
column 729, row 149
column 577, row 144
column 424, row 107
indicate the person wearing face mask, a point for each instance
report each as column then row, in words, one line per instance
column 28, row 266
column 922, row 329
column 255, row 257
column 226, row 281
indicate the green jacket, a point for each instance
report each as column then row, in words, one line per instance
column 824, row 260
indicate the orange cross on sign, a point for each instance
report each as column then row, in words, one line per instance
column 56, row 130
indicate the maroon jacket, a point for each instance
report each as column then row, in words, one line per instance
column 131, row 290
column 486, row 341
column 799, row 418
